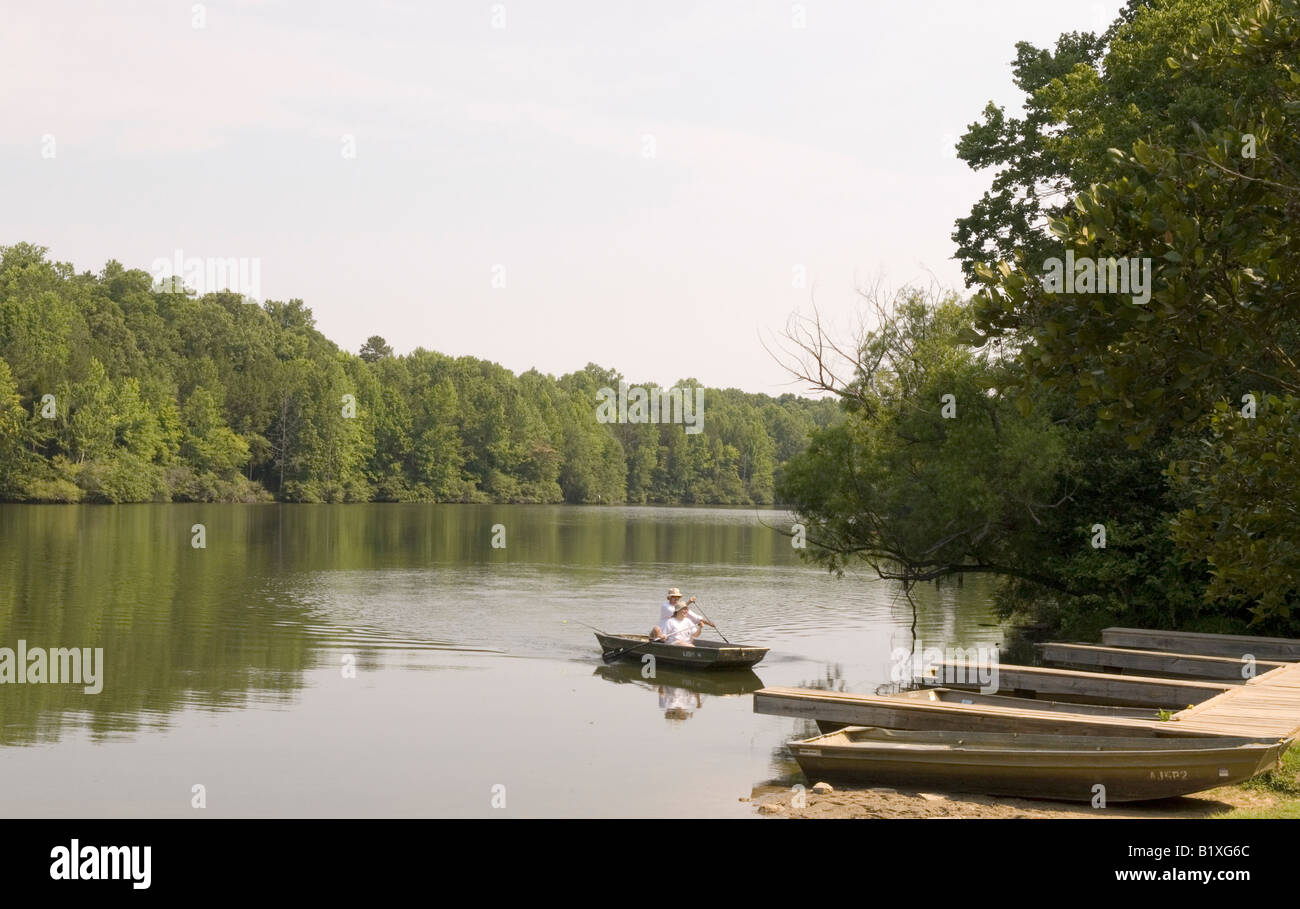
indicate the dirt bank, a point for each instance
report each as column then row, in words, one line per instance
column 774, row 800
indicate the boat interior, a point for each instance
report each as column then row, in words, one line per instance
column 955, row 696
column 702, row 643
column 1016, row 741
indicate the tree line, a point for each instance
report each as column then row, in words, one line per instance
column 115, row 389
column 1109, row 459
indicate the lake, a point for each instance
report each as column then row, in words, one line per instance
column 388, row 660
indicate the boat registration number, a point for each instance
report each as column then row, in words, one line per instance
column 1167, row 775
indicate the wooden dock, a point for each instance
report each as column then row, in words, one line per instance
column 1267, row 705
column 1235, row 646
column 1124, row 660
column 1079, row 686
column 836, row 709
column 1208, row 679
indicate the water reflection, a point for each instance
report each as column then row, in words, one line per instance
column 678, row 704
column 784, row 766
column 717, row 683
column 281, row 590
column 680, row 693
column 227, row 661
column 831, row 679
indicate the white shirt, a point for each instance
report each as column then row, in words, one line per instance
column 680, row 698
column 666, row 610
column 679, row 631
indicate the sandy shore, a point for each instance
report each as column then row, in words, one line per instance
column 773, row 800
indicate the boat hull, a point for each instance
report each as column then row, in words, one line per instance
column 704, row 655
column 1066, row 768
column 949, row 709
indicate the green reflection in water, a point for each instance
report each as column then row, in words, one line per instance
column 281, row 589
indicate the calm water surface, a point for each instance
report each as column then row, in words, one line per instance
column 224, row 666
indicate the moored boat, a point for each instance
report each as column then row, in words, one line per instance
column 969, row 698
column 945, row 708
column 1035, row 766
column 705, row 654
column 1076, row 686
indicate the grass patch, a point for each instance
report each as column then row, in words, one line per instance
column 1285, row 810
column 1284, row 780
column 1282, row 783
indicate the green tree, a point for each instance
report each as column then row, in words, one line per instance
column 375, row 349
column 1213, row 206
column 210, row 445
column 159, row 393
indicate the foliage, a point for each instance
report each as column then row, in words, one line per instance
column 1089, row 94
column 991, row 488
column 1244, row 509
column 162, row 395
column 1213, row 205
column 1170, row 422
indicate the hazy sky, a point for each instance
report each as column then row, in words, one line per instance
column 644, row 177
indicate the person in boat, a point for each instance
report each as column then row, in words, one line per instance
column 669, row 607
column 680, row 629
column 678, row 704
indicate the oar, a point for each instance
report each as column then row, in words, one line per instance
column 715, row 626
column 613, row 655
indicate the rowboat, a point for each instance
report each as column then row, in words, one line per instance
column 1067, row 768
column 1074, row 686
column 1154, row 663
column 969, row 698
column 946, row 708
column 1233, row 646
column 704, row 655
column 716, row 683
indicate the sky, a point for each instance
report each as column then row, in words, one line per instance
column 653, row 187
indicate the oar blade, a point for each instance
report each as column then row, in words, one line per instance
column 610, row 656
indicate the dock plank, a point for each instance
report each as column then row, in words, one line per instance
column 1154, row 661
column 1077, row 685
column 1270, row 703
column 852, row 709
column 1195, row 642
column 1265, row 707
